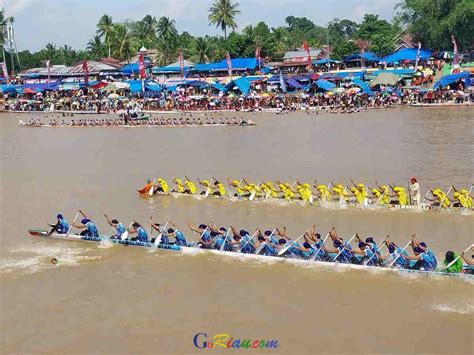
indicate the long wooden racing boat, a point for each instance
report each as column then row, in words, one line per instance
column 242, row 256
column 318, row 203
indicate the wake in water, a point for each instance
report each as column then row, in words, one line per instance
column 40, row 257
column 466, row 308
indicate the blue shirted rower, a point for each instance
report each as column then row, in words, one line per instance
column 179, row 237
column 138, row 229
column 205, row 241
column 119, row 227
column 425, row 258
column 61, row 226
column 341, row 249
column 243, row 241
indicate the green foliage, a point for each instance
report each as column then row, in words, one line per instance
column 222, row 14
column 434, row 22
column 343, row 49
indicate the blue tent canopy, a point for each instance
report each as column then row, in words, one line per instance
column 237, row 64
column 368, row 56
column 324, row 84
column 243, row 84
column 399, row 72
column 132, row 68
column 364, row 86
column 8, row 89
column 324, row 61
column 219, row 87
column 406, row 54
column 151, row 86
column 294, row 83
column 452, row 78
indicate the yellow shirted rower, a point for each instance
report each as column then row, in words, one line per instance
column 360, row 193
column 440, row 198
column 462, row 197
column 179, row 185
column 191, row 187
column 324, row 194
column 401, row 194
column 162, row 186
column 381, row 195
column 207, row 185
column 240, row 190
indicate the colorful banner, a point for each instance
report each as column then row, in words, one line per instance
column 141, row 65
column 455, row 53
column 48, row 67
column 85, row 70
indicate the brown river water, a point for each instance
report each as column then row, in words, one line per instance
column 119, row 300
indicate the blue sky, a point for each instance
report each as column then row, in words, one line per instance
column 73, row 22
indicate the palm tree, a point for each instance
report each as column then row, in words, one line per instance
column 166, row 29
column 105, row 29
column 95, row 45
column 167, row 53
column 222, row 14
column 123, row 42
column 148, row 27
column 202, row 51
column 3, row 22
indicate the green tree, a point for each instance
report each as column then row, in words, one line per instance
column 344, row 49
column 96, row 47
column 123, row 44
column 434, row 22
column 166, row 29
column 222, row 14
column 202, row 51
column 105, row 29
column 147, row 30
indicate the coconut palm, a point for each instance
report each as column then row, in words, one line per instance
column 222, row 14
column 105, row 29
column 166, row 29
column 3, row 22
column 167, row 53
column 122, row 41
column 148, row 27
column 95, row 46
column 201, row 50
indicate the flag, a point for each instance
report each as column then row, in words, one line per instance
column 48, row 67
column 85, row 70
column 417, row 56
column 257, row 54
column 141, row 65
column 282, row 82
column 181, row 63
column 455, row 53
column 229, row 64
column 306, row 47
column 5, row 73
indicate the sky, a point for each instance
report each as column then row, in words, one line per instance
column 73, row 22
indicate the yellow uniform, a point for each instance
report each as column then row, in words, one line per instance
column 191, row 187
column 338, row 190
column 305, row 192
column 441, row 197
column 221, row 189
column 179, row 185
column 206, row 184
column 324, row 193
column 287, row 193
column 360, row 193
column 268, row 190
column 401, row 194
column 164, row 185
column 463, row 198
column 382, row 197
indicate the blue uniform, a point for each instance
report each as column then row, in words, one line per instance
column 369, row 255
column 428, row 261
column 180, row 239
column 249, row 247
column 206, row 237
column 346, row 255
column 218, row 240
column 164, row 239
column 119, row 230
column 141, row 235
column 92, row 230
column 401, row 261
column 63, row 226
column 322, row 255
